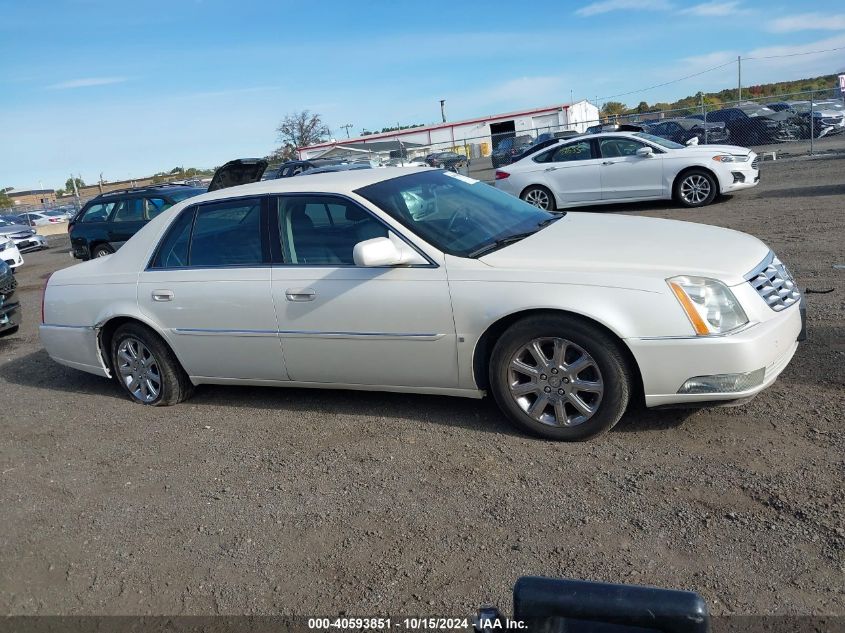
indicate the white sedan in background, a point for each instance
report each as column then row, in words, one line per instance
column 628, row 167
column 10, row 253
column 427, row 281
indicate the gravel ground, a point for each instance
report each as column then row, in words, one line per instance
column 250, row 500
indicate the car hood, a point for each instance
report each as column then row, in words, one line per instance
column 16, row 228
column 241, row 171
column 644, row 247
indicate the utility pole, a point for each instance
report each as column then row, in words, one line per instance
column 739, row 78
column 346, row 127
column 75, row 191
column 443, row 109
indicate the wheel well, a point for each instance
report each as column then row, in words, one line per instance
column 687, row 170
column 95, row 243
column 551, row 193
column 107, row 331
column 484, row 347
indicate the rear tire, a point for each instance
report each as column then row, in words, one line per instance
column 101, row 250
column 540, row 197
column 578, row 389
column 695, row 188
column 147, row 368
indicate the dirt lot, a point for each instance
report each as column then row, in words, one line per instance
column 248, row 500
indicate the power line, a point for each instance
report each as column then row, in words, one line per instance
column 826, row 50
column 668, row 83
column 702, row 72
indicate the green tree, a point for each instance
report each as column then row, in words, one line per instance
column 614, row 108
column 643, row 107
column 5, row 201
column 69, row 183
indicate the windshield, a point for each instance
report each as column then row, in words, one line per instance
column 659, row 141
column 456, row 214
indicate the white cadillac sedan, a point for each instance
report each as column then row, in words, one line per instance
column 426, row 281
column 628, row 167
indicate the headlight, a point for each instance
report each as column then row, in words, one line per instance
column 6, row 245
column 731, row 158
column 710, row 306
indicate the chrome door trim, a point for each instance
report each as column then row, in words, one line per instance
column 311, row 334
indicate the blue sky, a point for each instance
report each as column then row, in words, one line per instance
column 129, row 88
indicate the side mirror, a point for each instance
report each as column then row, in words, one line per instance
column 692, row 141
column 645, row 152
column 379, row 251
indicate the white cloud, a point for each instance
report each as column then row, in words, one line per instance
column 86, row 83
column 808, row 22
column 606, row 6
column 715, row 9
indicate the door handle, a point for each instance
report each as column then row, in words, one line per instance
column 608, row 162
column 300, row 294
column 163, row 295
column 551, row 168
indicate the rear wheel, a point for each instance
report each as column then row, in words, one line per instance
column 101, row 250
column 559, row 377
column 540, row 197
column 696, row 188
column 147, row 368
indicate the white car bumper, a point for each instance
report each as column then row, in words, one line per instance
column 737, row 176
column 667, row 363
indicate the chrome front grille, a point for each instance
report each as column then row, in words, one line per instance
column 755, row 164
column 774, row 284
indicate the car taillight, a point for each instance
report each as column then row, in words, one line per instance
column 501, row 175
column 44, row 294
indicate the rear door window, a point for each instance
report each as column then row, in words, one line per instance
column 227, row 234
column 129, row 210
column 97, row 212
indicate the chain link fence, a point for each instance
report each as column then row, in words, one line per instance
column 776, row 126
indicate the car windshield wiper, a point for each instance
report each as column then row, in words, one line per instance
column 510, row 239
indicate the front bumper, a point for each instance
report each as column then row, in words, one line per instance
column 32, row 243
column 666, row 363
column 738, row 176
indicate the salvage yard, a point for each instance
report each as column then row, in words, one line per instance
column 258, row 500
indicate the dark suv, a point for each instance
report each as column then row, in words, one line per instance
column 105, row 223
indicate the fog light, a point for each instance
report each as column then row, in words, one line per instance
column 724, row 383
column 738, row 176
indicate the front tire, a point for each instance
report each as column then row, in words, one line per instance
column 146, row 367
column 540, row 197
column 696, row 188
column 559, row 377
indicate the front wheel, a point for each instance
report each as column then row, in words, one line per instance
column 696, row 188
column 146, row 367
column 540, row 197
column 559, row 377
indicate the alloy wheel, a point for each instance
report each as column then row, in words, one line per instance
column 555, row 381
column 695, row 189
column 538, row 198
column 139, row 370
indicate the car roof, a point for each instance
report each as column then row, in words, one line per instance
column 132, row 191
column 339, row 182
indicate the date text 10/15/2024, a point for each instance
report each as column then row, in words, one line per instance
column 415, row 624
